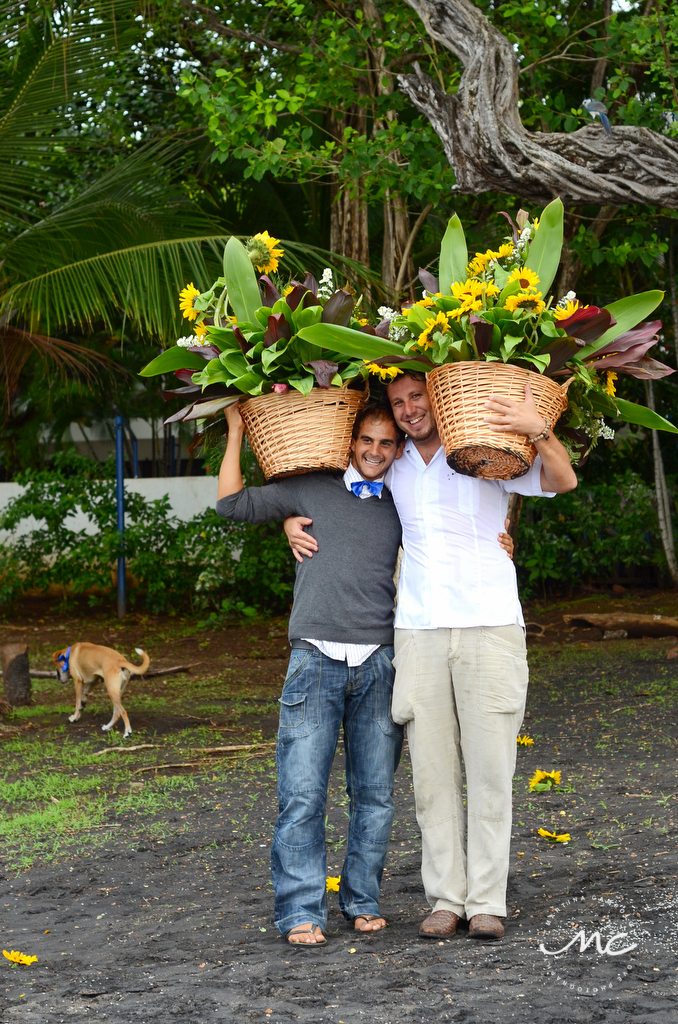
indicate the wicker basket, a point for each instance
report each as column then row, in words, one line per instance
column 294, row 433
column 458, row 393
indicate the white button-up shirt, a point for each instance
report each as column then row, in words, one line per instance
column 454, row 573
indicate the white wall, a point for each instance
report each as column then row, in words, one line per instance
column 188, row 496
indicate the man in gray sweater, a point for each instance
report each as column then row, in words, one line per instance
column 340, row 672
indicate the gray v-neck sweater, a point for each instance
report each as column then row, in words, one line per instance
column 345, row 593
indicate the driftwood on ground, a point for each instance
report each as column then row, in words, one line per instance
column 635, row 626
column 490, row 150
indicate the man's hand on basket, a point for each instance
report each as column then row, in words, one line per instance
column 515, row 417
column 302, row 543
column 234, row 420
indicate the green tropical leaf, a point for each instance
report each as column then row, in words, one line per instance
column 630, row 412
column 241, row 281
column 172, row 359
column 544, row 255
column 453, row 256
column 303, row 384
column 349, row 342
column 628, row 312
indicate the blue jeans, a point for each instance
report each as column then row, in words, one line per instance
column 319, row 695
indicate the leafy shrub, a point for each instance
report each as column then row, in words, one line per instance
column 199, row 564
column 588, row 534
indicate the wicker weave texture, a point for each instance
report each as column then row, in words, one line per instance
column 294, row 433
column 458, row 393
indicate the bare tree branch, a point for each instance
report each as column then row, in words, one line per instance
column 215, row 23
column 490, row 150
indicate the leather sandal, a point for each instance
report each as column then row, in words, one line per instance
column 301, row 929
column 441, row 924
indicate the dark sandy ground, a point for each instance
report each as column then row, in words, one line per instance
column 170, row 895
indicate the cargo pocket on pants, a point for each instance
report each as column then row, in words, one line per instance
column 502, row 670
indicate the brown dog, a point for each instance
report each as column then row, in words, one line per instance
column 86, row 664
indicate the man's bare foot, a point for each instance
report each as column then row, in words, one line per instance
column 306, row 935
column 368, row 923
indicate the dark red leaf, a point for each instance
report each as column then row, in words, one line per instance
column 430, row 283
column 185, row 375
column 310, row 283
column 647, row 369
column 381, row 330
column 179, row 415
column 338, row 309
column 561, row 351
column 587, row 324
column 294, row 297
column 324, row 371
column 241, row 339
column 208, row 352
column 278, row 328
column 629, row 339
column 615, row 359
column 396, row 360
column 483, row 334
column 270, row 293
column 368, row 329
column 191, row 389
column 310, row 299
column 514, row 229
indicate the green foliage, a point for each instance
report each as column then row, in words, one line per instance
column 587, row 535
column 173, row 565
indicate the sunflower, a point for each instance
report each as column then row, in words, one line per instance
column 261, row 249
column 425, row 302
column 610, row 378
column 332, row 883
column 525, row 741
column 525, row 301
column 570, row 307
column 553, row 837
column 186, row 297
column 545, row 779
column 478, row 264
column 440, row 324
column 200, row 331
column 469, row 290
column 385, row 373
column 527, row 279
column 19, row 958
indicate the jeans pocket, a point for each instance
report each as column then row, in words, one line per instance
column 292, row 710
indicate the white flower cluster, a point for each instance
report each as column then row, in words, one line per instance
column 570, row 297
column 326, row 287
column 187, row 342
column 396, row 333
column 524, row 239
column 596, row 428
column 386, row 313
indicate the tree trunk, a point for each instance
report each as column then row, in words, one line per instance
column 15, row 674
column 490, row 150
column 661, row 490
column 396, row 263
column 600, row 67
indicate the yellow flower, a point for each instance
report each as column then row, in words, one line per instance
column 425, row 302
column 540, row 777
column 470, row 289
column 527, row 279
column 562, row 312
column 200, row 331
column 478, row 264
column 19, row 958
column 553, row 837
column 186, row 297
column 363, row 321
column 525, row 741
column 536, row 223
column 289, row 288
column 262, row 251
column 332, row 884
column 611, row 377
column 441, row 323
column 387, row 373
column 525, row 301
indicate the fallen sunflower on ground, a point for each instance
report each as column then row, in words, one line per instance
column 553, row 837
column 332, row 884
column 19, row 958
column 525, row 741
column 542, row 781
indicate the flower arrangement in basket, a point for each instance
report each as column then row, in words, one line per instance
column 302, row 400
column 487, row 326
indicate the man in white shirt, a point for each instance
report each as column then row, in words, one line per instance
column 460, row 658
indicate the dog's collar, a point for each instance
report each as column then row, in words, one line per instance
column 66, row 660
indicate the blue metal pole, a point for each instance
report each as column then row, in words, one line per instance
column 120, row 502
